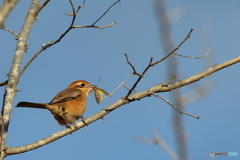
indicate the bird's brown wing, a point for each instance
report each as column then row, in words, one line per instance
column 66, row 95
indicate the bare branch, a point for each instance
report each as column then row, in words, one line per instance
column 192, row 56
column 137, row 96
column 3, row 83
column 168, row 81
column 5, row 9
column 74, row 14
column 49, row 44
column 100, row 27
column 11, row 89
column 16, row 35
column 134, row 71
column 91, row 26
column 152, row 64
column 181, row 112
column 105, row 12
column 121, row 84
column 41, row 7
column 172, row 52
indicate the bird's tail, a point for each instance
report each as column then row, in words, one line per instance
column 32, row 105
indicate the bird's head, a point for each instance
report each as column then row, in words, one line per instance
column 82, row 85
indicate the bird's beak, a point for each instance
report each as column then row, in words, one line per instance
column 92, row 87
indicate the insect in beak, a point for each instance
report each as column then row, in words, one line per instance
column 99, row 93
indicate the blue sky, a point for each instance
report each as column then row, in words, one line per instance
column 90, row 53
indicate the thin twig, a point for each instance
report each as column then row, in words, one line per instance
column 91, row 26
column 181, row 112
column 134, row 71
column 16, row 35
column 49, row 44
column 105, row 12
column 168, row 81
column 192, row 56
column 172, row 52
column 125, row 86
column 121, row 84
column 152, row 64
column 41, row 7
column 140, row 76
column 3, row 83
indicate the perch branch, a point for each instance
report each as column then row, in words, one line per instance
column 137, row 96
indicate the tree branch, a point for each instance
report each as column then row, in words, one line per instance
column 71, row 26
column 5, row 9
column 137, row 96
column 41, row 7
column 11, row 89
column 105, row 12
column 3, row 83
column 16, row 35
column 140, row 76
column 49, row 44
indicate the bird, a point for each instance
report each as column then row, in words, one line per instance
column 68, row 105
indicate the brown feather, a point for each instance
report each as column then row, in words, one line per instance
column 68, row 105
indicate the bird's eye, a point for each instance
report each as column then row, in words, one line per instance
column 82, row 84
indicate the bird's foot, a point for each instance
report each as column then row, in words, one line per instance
column 83, row 120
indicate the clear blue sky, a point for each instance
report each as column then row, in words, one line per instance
column 90, row 53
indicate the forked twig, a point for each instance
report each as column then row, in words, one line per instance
column 140, row 76
column 134, row 71
column 181, row 112
column 125, row 86
column 91, row 26
column 101, row 27
column 172, row 52
column 51, row 43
